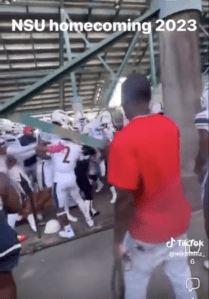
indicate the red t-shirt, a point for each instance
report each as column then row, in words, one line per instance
column 145, row 158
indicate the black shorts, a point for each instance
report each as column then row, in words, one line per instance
column 9, row 247
column 83, row 183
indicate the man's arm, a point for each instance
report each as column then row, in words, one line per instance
column 14, row 149
column 124, row 173
column 124, row 213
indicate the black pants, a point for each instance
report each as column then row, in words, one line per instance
column 81, row 172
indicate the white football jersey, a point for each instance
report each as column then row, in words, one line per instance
column 21, row 153
column 202, row 120
column 64, row 162
column 10, row 139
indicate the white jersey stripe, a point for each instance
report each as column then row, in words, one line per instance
column 14, row 247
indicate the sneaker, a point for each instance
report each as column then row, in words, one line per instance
column 31, row 222
column 206, row 264
column 21, row 238
column 90, row 222
column 66, row 234
column 100, row 185
column 94, row 213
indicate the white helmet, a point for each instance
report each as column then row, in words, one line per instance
column 6, row 125
column 17, row 128
column 60, row 117
column 52, row 227
column 80, row 121
column 105, row 118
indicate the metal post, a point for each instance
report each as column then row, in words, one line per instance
column 106, row 66
column 152, row 60
column 61, row 57
column 203, row 29
column 121, row 68
column 69, row 54
column 89, row 45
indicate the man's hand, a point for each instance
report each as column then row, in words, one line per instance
column 118, row 251
column 41, row 149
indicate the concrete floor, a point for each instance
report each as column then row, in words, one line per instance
column 81, row 269
column 102, row 222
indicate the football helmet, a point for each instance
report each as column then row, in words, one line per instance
column 105, row 118
column 52, row 227
column 60, row 117
column 80, row 121
column 17, row 128
column 6, row 125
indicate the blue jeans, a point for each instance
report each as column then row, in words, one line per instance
column 143, row 258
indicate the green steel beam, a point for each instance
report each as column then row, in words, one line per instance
column 69, row 53
column 51, row 128
column 70, row 66
column 89, row 45
column 152, row 59
column 121, row 69
column 61, row 57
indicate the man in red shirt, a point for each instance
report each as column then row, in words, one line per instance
column 144, row 166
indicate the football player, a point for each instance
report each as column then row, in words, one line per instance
column 64, row 177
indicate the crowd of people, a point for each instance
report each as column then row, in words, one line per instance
column 36, row 160
column 143, row 171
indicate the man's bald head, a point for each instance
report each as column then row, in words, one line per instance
column 136, row 88
column 136, row 95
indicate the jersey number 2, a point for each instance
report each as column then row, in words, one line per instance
column 65, row 160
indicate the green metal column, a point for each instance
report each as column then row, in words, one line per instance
column 152, row 59
column 121, row 69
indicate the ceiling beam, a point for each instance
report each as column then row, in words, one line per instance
column 36, row 88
